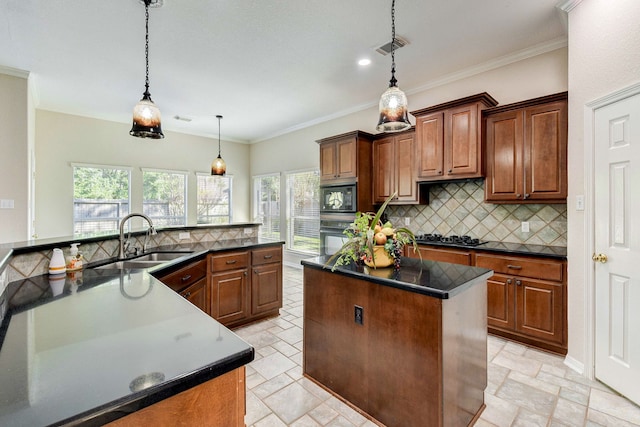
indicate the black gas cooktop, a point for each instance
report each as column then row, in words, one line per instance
column 448, row 240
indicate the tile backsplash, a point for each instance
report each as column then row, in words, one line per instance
column 459, row 208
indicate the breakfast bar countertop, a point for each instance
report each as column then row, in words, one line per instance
column 101, row 344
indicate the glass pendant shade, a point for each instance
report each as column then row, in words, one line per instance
column 394, row 116
column 146, row 119
column 218, row 166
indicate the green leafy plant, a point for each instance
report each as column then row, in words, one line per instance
column 364, row 234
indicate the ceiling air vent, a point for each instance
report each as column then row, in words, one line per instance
column 385, row 49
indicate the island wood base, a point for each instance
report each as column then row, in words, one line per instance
column 220, row 402
column 415, row 360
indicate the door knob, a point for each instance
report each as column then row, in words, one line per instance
column 600, row 258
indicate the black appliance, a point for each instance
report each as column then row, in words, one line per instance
column 331, row 233
column 338, row 199
column 439, row 239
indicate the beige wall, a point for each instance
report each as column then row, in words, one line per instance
column 536, row 76
column 604, row 56
column 62, row 139
column 14, row 163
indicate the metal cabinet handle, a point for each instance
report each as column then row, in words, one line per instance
column 186, row 277
column 233, row 261
column 245, row 273
column 450, row 170
column 518, row 282
column 514, row 267
column 509, row 281
column 439, row 172
column 187, row 295
column 526, row 195
column 268, row 256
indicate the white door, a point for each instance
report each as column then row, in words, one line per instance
column 617, row 237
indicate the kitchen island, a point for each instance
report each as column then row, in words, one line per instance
column 406, row 347
column 103, row 346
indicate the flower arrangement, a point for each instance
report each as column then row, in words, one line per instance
column 373, row 243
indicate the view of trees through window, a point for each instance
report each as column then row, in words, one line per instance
column 303, row 219
column 164, row 197
column 214, row 199
column 267, row 205
column 100, row 198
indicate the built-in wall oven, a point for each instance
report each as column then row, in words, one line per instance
column 331, row 232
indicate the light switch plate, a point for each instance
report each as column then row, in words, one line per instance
column 579, row 203
column 184, row 236
column 6, row 204
column 524, row 226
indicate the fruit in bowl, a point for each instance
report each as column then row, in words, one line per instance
column 373, row 243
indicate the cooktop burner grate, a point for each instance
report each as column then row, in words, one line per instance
column 448, row 240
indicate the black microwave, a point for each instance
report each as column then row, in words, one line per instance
column 338, row 199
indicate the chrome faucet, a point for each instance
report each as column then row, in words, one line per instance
column 122, row 252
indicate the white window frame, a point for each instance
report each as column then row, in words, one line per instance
column 208, row 175
column 290, row 238
column 185, row 174
column 100, row 166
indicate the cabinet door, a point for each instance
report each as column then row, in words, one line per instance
column 347, row 160
column 197, row 295
column 383, row 169
column 539, row 309
column 405, row 178
column 545, row 152
column 229, row 296
column 500, row 300
column 266, row 288
column 430, row 137
column 328, row 167
column 504, row 162
column 462, row 148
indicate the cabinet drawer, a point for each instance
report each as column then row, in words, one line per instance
column 266, row 256
column 229, row 261
column 185, row 276
column 526, row 267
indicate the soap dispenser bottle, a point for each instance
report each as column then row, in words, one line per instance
column 57, row 265
column 74, row 261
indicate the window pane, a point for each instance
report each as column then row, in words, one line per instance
column 164, row 197
column 214, row 199
column 304, row 212
column 267, row 205
column 100, row 198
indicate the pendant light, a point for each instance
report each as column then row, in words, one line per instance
column 218, row 166
column 393, row 102
column 146, row 116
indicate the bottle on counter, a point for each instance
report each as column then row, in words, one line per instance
column 57, row 264
column 74, row 261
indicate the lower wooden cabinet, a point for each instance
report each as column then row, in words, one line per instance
column 526, row 297
column 198, row 295
column 238, row 297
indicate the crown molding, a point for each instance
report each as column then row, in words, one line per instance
column 15, row 72
column 568, row 5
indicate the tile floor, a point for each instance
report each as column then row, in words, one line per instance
column 526, row 387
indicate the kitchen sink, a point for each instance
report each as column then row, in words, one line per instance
column 141, row 262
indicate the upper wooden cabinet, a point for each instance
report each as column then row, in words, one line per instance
column 345, row 158
column 449, row 139
column 393, row 169
column 526, row 151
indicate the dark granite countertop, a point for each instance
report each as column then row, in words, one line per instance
column 436, row 279
column 70, row 348
column 558, row 252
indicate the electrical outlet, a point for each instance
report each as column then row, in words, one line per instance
column 579, row 203
column 358, row 314
column 248, row 230
column 524, row 226
column 6, row 204
column 407, row 221
column 184, row 236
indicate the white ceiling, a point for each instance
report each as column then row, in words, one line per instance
column 267, row 66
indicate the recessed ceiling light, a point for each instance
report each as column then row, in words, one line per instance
column 365, row 61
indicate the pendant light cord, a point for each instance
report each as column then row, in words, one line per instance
column 146, row 46
column 393, row 80
column 219, row 117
